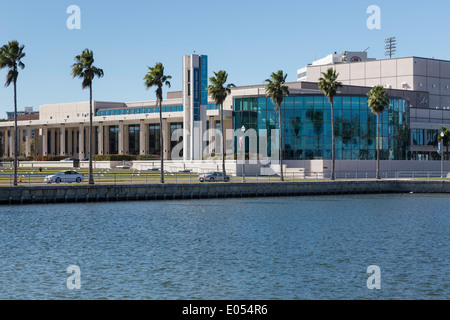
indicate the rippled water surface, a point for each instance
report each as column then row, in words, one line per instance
column 261, row 248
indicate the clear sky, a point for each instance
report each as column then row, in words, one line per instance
column 247, row 38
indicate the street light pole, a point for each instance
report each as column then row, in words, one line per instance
column 442, row 154
column 243, row 153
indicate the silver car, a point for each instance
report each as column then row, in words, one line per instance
column 213, row 177
column 65, row 176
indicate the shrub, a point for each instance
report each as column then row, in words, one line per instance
column 114, row 157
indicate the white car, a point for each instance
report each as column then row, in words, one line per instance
column 213, row 177
column 65, row 176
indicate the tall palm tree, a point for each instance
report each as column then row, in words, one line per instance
column 377, row 102
column 84, row 69
column 329, row 85
column 276, row 89
column 11, row 55
column 156, row 78
column 219, row 90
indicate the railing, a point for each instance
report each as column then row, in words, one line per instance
column 36, row 177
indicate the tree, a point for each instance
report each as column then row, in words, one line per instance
column 377, row 102
column 84, row 69
column 156, row 78
column 276, row 90
column 11, row 56
column 445, row 139
column 219, row 90
column 329, row 85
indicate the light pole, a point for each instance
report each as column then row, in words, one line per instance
column 243, row 153
column 442, row 154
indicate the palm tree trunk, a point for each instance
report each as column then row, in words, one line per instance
column 333, row 144
column 281, row 143
column 91, row 173
column 161, row 139
column 378, row 146
column 223, row 141
column 15, row 133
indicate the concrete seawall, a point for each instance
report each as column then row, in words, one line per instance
column 105, row 193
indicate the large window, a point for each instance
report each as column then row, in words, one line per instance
column 154, row 139
column 133, row 139
column 113, row 139
column 306, row 126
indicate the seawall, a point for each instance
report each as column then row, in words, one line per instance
column 106, row 193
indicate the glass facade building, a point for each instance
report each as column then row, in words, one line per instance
column 306, row 126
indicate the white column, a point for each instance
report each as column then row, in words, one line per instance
column 62, row 140
column 20, row 141
column 81, row 153
column 11, row 141
column 69, row 142
column 52, row 141
column 106, row 143
column 28, row 142
column 100, row 139
column 126, row 139
column 166, row 131
column 121, row 137
column 143, row 138
column 45, row 141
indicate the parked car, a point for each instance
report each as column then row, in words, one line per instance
column 65, row 176
column 67, row 159
column 213, row 177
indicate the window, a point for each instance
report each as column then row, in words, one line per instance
column 418, row 137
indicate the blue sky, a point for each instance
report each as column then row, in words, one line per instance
column 247, row 38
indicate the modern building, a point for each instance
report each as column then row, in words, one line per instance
column 418, row 90
column 429, row 78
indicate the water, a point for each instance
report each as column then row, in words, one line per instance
column 254, row 249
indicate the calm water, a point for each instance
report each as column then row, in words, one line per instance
column 270, row 248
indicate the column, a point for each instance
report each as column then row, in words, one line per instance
column 121, row 137
column 28, row 142
column 106, row 143
column 100, row 139
column 126, row 139
column 5, row 143
column 143, row 133
column 11, row 141
column 62, row 140
column 69, row 142
column 166, row 131
column 52, row 141
column 20, row 142
column 81, row 153
column 45, row 141
column 75, row 141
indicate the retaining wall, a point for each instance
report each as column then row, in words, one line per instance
column 102, row 193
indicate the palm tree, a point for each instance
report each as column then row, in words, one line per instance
column 156, row 78
column 377, row 102
column 329, row 85
column 219, row 90
column 83, row 68
column 276, row 89
column 11, row 55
